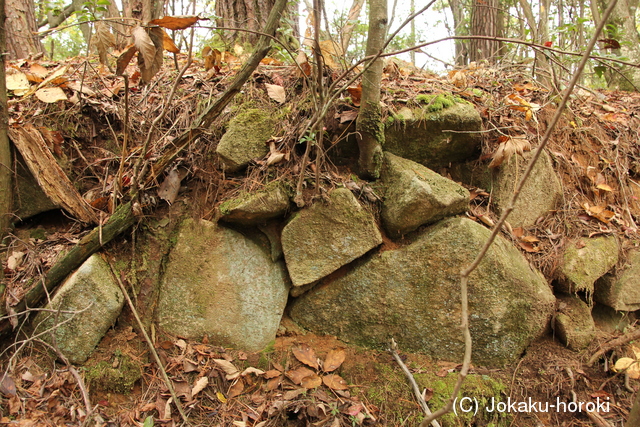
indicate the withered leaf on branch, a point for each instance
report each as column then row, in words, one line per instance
column 168, row 44
column 149, row 43
column 103, row 40
column 125, row 58
column 176, row 22
column 146, row 47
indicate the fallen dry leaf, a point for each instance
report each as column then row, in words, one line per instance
column 229, row 368
column 335, row 382
column 333, row 360
column 236, row 389
column 51, row 95
column 200, row 385
column 306, row 355
column 298, row 374
column 312, row 381
column 276, row 92
column 506, row 149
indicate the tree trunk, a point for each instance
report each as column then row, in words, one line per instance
column 484, row 22
column 20, row 28
column 252, row 15
column 459, row 29
column 6, row 168
column 369, row 125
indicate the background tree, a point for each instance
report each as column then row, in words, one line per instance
column 252, row 15
column 624, row 40
column 484, row 22
column 20, row 29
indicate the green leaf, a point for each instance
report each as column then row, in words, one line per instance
column 148, row 422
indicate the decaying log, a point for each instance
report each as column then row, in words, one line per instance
column 121, row 220
column 51, row 178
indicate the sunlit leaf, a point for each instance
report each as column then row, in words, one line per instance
column 175, row 22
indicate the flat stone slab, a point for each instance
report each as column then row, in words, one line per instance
column 322, row 238
column 256, row 207
column 416, row 195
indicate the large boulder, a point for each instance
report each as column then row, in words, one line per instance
column 322, row 238
column 251, row 208
column 245, row 139
column 424, row 134
column 82, row 310
column 221, row 284
column 621, row 291
column 416, row 195
column 584, row 261
column 413, row 295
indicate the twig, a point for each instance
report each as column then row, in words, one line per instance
column 145, row 147
column 152, row 349
column 74, row 372
column 633, row 335
column 464, row 281
column 412, row 380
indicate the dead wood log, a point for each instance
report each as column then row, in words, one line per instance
column 121, row 220
column 51, row 178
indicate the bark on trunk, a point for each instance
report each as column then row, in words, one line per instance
column 6, row 164
column 20, row 28
column 484, row 22
column 252, row 15
column 368, row 125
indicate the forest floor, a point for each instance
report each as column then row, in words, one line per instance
column 596, row 154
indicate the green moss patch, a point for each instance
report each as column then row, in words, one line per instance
column 116, row 376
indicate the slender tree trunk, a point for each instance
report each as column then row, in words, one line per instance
column 459, row 29
column 369, row 125
column 20, row 27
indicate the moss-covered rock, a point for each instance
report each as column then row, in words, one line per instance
column 250, row 208
column 89, row 301
column 221, row 284
column 574, row 325
column 416, row 195
column 246, row 139
column 425, row 136
column 412, row 294
column 118, row 375
column 584, row 261
column 322, row 238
